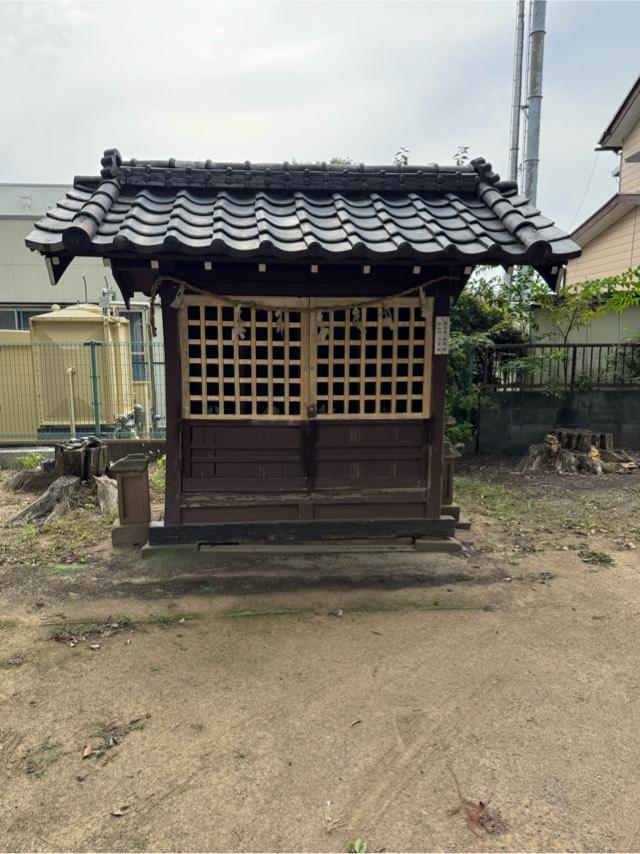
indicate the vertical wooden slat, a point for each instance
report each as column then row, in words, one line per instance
column 203, row 359
column 252, row 350
column 394, row 359
column 379, row 345
column 270, row 362
column 363, row 359
column 236, row 369
column 330, row 345
column 308, row 358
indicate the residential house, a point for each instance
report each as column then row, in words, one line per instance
column 610, row 237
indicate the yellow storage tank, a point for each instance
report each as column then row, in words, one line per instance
column 18, row 408
column 95, row 348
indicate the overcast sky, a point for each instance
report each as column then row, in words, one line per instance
column 307, row 80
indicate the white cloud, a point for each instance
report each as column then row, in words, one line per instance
column 276, row 80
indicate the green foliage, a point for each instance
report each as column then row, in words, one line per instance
column 575, row 307
column 401, row 157
column 461, row 155
column 29, row 462
column 493, row 309
column 358, row 846
column 157, row 474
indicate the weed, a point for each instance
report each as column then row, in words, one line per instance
column 157, row 475
column 29, row 462
column 357, row 846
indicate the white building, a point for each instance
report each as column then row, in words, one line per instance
column 25, row 288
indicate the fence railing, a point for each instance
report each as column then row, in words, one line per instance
column 50, row 391
column 560, row 366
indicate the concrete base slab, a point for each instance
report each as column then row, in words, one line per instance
column 451, row 510
column 129, row 535
column 449, row 545
column 404, row 545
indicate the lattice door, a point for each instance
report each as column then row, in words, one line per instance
column 306, row 360
column 372, row 362
column 243, row 362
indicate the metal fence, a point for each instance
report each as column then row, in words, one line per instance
column 560, row 366
column 51, row 391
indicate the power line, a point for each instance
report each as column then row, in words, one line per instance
column 586, row 190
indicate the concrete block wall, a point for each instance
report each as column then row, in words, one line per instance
column 512, row 420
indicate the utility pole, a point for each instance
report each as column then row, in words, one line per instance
column 516, row 97
column 534, row 98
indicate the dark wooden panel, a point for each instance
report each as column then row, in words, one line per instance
column 266, row 513
column 242, row 456
column 364, row 511
column 299, row 531
column 371, row 453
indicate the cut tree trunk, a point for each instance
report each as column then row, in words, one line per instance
column 31, row 481
column 107, row 492
column 577, row 450
column 51, row 505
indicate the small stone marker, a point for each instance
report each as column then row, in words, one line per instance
column 134, row 506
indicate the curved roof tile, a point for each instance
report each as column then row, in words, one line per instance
column 462, row 213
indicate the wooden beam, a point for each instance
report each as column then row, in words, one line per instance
column 173, row 387
column 438, row 393
column 300, row 531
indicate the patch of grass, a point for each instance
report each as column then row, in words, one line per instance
column 481, row 496
column 7, row 624
column 358, row 846
column 65, row 541
column 67, row 568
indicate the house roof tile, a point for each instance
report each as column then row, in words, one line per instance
column 463, row 213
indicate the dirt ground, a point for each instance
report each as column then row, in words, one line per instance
column 274, row 705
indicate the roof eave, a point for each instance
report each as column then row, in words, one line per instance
column 607, row 214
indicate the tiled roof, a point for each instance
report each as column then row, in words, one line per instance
column 463, row 213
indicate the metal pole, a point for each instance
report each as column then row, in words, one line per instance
column 516, row 97
column 95, row 390
column 72, row 408
column 534, row 98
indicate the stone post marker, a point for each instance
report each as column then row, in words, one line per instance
column 134, row 507
column 448, row 507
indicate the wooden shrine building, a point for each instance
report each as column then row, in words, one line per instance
column 306, row 323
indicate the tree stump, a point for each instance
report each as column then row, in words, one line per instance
column 81, row 458
column 577, row 450
column 107, row 492
column 31, row 481
column 51, row 505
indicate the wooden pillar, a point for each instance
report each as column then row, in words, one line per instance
column 173, row 391
column 441, row 308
